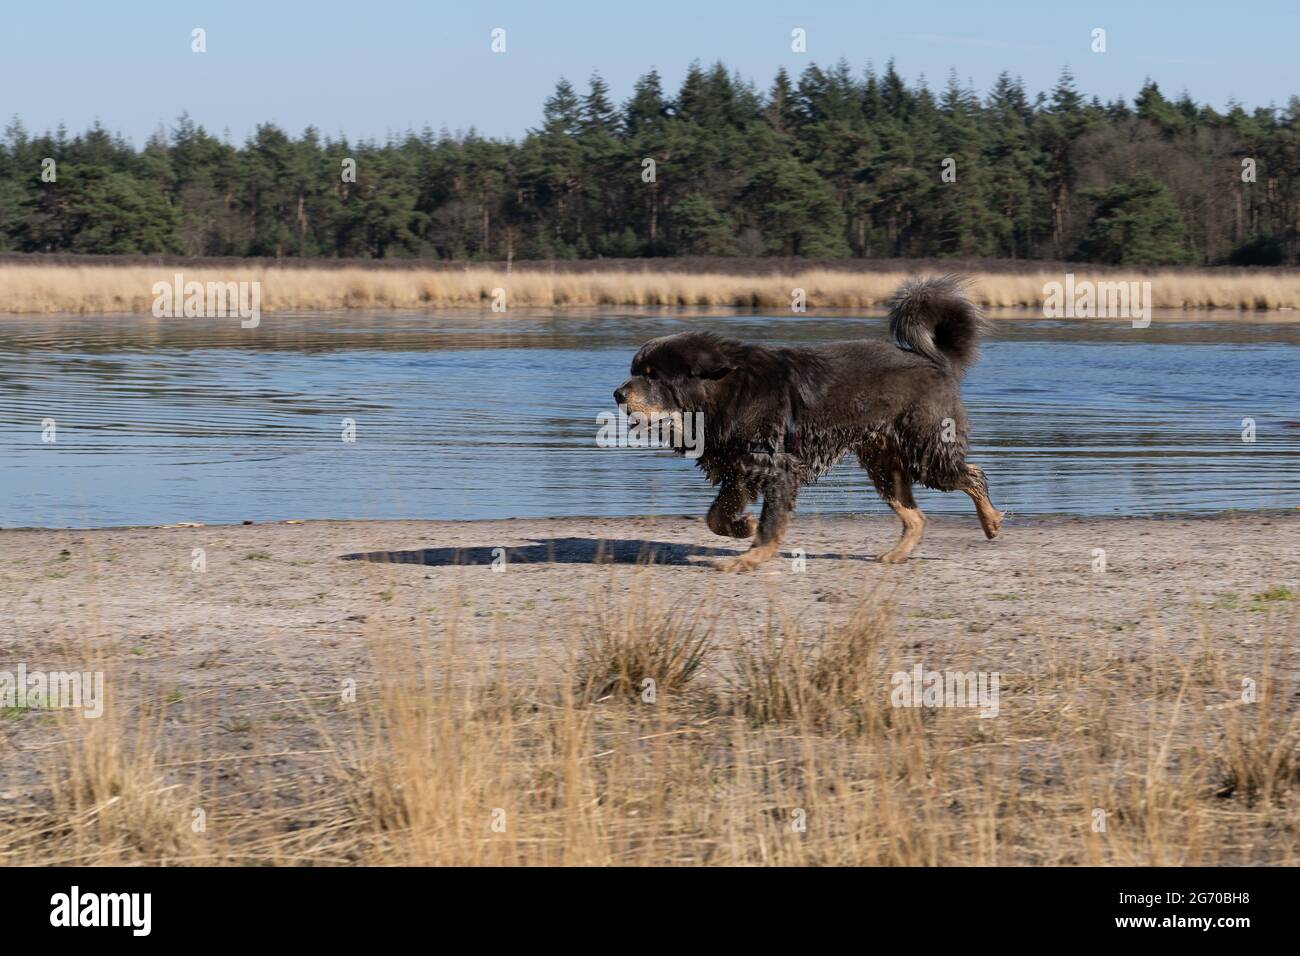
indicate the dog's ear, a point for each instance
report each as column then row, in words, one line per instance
column 713, row 360
column 711, row 371
column 806, row 377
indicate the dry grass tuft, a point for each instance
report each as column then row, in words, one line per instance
column 109, row 800
column 113, row 800
column 1259, row 752
column 639, row 648
column 833, row 686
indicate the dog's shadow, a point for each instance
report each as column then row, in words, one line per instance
column 565, row 551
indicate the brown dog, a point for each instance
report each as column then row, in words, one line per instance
column 777, row 418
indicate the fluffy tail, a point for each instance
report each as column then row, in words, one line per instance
column 933, row 317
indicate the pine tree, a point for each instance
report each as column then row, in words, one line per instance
column 1135, row 223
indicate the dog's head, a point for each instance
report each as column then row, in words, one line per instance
column 746, row 392
column 676, row 373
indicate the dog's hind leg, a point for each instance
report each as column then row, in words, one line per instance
column 778, row 505
column 896, row 489
column 977, row 486
column 727, row 513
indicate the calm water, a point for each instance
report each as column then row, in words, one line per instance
column 467, row 415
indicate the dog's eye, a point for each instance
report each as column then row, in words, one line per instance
column 650, row 374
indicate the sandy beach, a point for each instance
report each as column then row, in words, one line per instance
column 309, row 591
column 236, row 640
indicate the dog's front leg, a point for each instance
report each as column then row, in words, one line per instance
column 727, row 515
column 778, row 506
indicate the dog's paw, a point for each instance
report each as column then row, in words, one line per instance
column 894, row 557
column 745, row 527
column 732, row 565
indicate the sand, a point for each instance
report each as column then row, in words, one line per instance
column 306, row 593
column 281, row 615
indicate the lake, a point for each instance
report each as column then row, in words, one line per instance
column 480, row 415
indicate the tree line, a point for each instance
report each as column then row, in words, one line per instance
column 833, row 164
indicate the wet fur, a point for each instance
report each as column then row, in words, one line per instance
column 777, row 418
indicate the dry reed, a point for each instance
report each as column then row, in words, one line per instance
column 63, row 288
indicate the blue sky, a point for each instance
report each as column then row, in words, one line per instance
column 372, row 68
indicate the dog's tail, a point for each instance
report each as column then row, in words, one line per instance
column 935, row 318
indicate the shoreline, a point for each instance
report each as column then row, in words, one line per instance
column 1044, row 519
column 110, row 287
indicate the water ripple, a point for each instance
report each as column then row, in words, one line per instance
column 465, row 415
